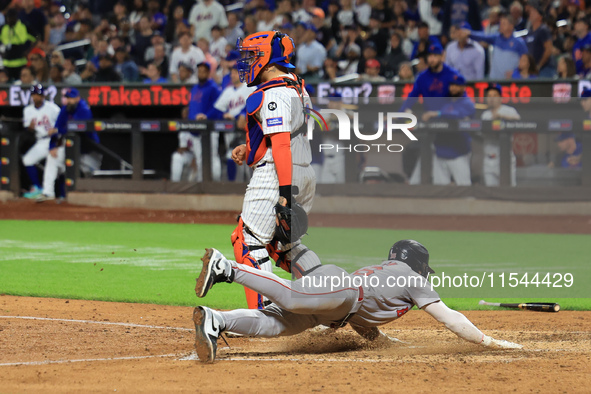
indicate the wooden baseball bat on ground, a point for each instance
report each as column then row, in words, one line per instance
column 530, row 306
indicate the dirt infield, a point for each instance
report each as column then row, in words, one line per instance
column 56, row 345
column 28, row 210
column 133, row 347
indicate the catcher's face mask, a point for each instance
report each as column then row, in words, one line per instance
column 262, row 48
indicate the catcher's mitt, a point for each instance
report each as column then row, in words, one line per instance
column 292, row 222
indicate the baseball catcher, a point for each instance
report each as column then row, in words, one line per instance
column 277, row 150
column 315, row 299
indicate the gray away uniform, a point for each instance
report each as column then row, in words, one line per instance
column 311, row 301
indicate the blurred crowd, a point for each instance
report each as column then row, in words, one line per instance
column 156, row 41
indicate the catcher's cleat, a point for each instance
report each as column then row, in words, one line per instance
column 216, row 269
column 208, row 328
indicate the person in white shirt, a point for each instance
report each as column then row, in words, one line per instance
column 266, row 19
column 206, row 14
column 310, row 54
column 217, row 44
column 231, row 103
column 186, row 53
column 363, row 12
column 233, row 30
column 40, row 117
column 496, row 111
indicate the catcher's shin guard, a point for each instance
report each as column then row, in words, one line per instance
column 242, row 256
column 279, row 256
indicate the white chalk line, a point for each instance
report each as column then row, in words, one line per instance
column 86, row 360
column 97, row 322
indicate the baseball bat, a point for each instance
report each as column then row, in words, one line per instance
column 530, row 306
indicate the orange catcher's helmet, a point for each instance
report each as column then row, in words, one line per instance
column 262, row 48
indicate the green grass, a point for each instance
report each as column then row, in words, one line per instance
column 158, row 263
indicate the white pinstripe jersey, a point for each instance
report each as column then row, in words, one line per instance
column 232, row 100
column 44, row 117
column 282, row 111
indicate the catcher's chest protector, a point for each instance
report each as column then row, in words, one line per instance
column 256, row 142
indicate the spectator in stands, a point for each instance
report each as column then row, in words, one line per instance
column 125, row 67
column 539, row 43
column 405, row 73
column 452, row 154
column 581, row 30
column 429, row 12
column 379, row 36
column 16, row 39
column 157, row 18
column 56, row 74
column 116, row 43
column 369, row 52
column 310, row 54
column 75, row 52
column 363, row 12
column 250, row 25
column 40, row 67
column 465, row 55
column 425, row 40
column 372, row 72
column 57, row 32
column 330, row 70
column 346, row 15
column 394, row 56
column 526, row 68
column 27, row 77
column 159, row 57
column 206, row 14
column 57, row 57
column 516, row 11
column 154, row 74
column 406, row 44
column 178, row 17
column 70, row 75
column 493, row 24
column 139, row 10
column 507, row 48
column 106, row 71
column 186, row 53
column 566, row 68
column 218, row 44
column 456, row 12
column 36, row 22
column 233, row 30
column 350, row 36
column 187, row 74
column 100, row 49
column 119, row 13
column 350, row 65
column 143, row 40
column 496, row 111
column 490, row 5
column 265, row 18
column 157, row 39
column 300, row 11
column 572, row 151
column 203, row 44
column 4, row 76
column 324, row 33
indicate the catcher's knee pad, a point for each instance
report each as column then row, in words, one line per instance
column 242, row 250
